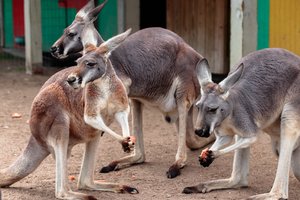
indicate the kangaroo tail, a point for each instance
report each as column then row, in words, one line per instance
column 25, row 164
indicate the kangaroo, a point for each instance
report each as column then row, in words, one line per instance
column 57, row 123
column 261, row 95
column 106, row 97
column 159, row 70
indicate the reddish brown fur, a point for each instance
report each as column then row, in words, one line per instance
column 102, row 49
column 89, row 48
column 57, row 124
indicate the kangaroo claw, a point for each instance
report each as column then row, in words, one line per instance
column 128, row 144
column 206, row 157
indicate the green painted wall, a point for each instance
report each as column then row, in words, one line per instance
column 8, row 23
column 108, row 19
column 263, row 15
column 54, row 20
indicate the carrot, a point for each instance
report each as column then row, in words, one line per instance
column 204, row 153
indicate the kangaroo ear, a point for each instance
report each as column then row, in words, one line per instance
column 85, row 9
column 92, row 14
column 88, row 47
column 89, row 37
column 203, row 72
column 232, row 78
column 108, row 46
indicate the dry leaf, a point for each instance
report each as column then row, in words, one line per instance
column 72, row 178
column 16, row 115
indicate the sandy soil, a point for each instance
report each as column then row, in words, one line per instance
column 17, row 91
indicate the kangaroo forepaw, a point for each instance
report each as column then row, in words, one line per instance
column 128, row 144
column 206, row 157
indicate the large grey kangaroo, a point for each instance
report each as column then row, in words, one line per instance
column 57, row 123
column 261, row 95
column 159, row 70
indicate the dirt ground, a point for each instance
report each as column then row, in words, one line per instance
column 17, row 91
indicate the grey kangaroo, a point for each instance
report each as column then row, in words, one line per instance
column 261, row 95
column 159, row 70
column 57, row 123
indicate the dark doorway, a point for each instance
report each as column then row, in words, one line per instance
column 153, row 13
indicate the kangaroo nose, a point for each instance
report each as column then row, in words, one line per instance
column 203, row 132
column 53, row 49
column 71, row 79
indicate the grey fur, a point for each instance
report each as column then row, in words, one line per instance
column 152, row 63
column 261, row 95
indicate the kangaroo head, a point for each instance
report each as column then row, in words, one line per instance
column 213, row 106
column 95, row 62
column 70, row 42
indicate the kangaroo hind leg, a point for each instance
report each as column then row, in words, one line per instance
column 289, row 137
column 86, row 178
column 138, row 155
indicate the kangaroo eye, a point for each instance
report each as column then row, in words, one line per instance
column 90, row 64
column 71, row 34
column 212, row 110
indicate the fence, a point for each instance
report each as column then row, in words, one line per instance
column 56, row 15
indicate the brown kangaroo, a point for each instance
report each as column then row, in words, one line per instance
column 57, row 123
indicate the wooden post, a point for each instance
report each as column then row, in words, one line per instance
column 250, row 27
column 132, row 15
column 243, row 29
column 236, row 31
column 33, row 35
column 121, row 17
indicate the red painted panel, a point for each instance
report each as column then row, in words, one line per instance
column 18, row 18
column 72, row 4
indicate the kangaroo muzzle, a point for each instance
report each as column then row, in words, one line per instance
column 57, row 51
column 203, row 132
column 74, row 81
